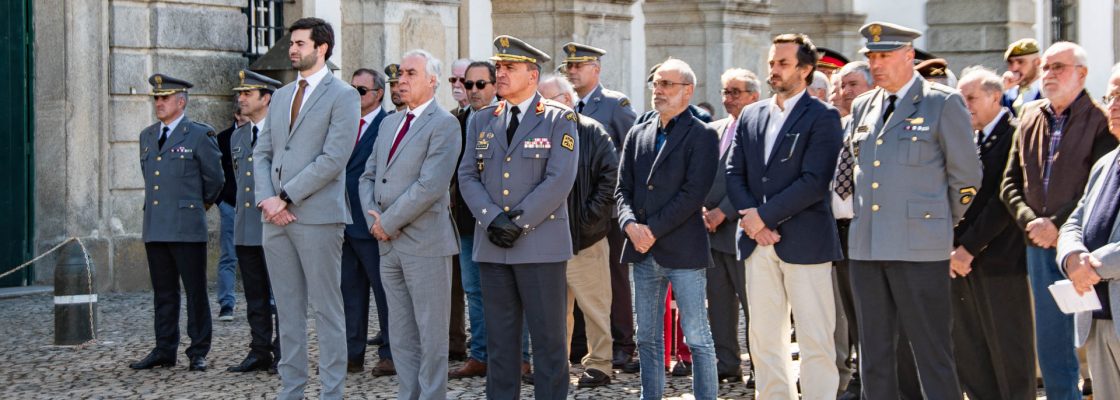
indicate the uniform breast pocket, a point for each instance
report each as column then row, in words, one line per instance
column 185, row 164
column 537, row 159
column 916, row 148
column 928, row 225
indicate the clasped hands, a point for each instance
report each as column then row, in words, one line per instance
column 1082, row 271
column 960, row 262
column 276, row 211
column 713, row 218
column 756, row 229
column 502, row 231
column 640, row 236
column 377, row 230
column 1042, row 232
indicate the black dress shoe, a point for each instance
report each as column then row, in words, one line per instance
column 682, row 369
column 733, row 377
column 593, row 378
column 154, row 359
column 198, row 363
column 620, row 359
column 251, row 363
column 632, row 367
column 272, row 368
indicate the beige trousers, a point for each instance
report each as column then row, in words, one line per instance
column 589, row 283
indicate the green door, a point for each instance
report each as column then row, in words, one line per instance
column 15, row 141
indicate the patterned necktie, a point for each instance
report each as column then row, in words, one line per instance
column 404, row 129
column 254, row 144
column 513, row 124
column 163, row 137
column 844, row 171
column 890, row 108
column 297, row 103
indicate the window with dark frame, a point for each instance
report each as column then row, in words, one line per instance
column 1063, row 20
column 266, row 26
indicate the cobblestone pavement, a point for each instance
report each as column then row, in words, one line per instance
column 35, row 369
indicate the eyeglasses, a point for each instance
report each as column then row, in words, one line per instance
column 664, row 84
column 1058, row 68
column 362, row 90
column 1107, row 100
column 733, row 92
column 454, row 79
column 480, row 83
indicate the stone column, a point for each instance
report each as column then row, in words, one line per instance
column 971, row 32
column 377, row 33
column 711, row 36
column 831, row 23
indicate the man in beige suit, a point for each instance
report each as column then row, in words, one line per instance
column 405, row 192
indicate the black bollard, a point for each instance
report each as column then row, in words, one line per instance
column 75, row 301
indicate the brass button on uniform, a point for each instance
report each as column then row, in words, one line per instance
column 505, row 192
column 158, row 158
column 650, row 187
column 874, row 207
column 913, row 138
column 874, row 185
column 156, row 187
column 192, row 205
column 927, row 216
column 505, row 175
column 508, row 159
column 879, row 142
column 247, row 205
column 155, row 202
column 247, row 189
column 876, row 163
column 250, row 159
column 506, row 208
column 551, row 216
column 157, row 173
column 248, row 173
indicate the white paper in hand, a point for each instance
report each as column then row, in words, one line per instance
column 1070, row 302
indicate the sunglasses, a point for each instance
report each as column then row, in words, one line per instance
column 455, row 79
column 480, row 83
column 362, row 90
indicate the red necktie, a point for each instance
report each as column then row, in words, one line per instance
column 361, row 124
column 400, row 135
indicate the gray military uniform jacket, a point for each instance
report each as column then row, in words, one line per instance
column 915, row 175
column 533, row 175
column 612, row 109
column 180, row 180
column 247, row 224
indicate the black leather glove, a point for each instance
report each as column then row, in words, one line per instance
column 503, row 231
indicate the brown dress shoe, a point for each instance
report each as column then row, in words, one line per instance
column 383, row 368
column 526, row 373
column 472, row 368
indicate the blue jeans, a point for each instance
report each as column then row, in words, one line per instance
column 1057, row 356
column 472, row 286
column 690, row 289
column 227, row 262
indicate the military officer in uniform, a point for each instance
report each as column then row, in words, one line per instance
column 253, row 96
column 916, row 172
column 393, row 75
column 182, row 169
column 519, row 166
column 583, row 67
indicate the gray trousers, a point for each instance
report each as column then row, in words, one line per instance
column 727, row 295
column 418, row 291
column 1103, row 349
column 304, row 266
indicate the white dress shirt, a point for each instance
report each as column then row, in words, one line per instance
column 312, row 83
column 522, row 108
column 777, row 119
column 171, row 127
column 415, row 114
column 987, row 131
column 368, row 118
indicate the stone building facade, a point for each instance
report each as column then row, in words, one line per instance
column 92, row 60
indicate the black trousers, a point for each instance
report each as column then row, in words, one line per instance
column 727, row 292
column 457, row 336
column 361, row 271
column 993, row 332
column 622, row 305
column 514, row 294
column 261, row 314
column 901, row 295
column 168, row 264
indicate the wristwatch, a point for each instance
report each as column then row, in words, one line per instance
column 284, row 196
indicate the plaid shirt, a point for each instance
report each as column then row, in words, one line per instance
column 1057, row 125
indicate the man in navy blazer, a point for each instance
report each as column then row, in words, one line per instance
column 779, row 177
column 360, row 259
column 667, row 167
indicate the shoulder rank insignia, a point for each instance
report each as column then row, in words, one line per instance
column 501, row 106
column 540, row 107
column 568, row 142
column 967, row 194
column 624, row 102
column 916, row 121
column 570, row 116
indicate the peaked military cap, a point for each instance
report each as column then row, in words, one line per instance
column 935, row 68
column 253, row 81
column 1021, row 47
column 577, row 53
column 163, row 85
column 831, row 59
column 885, row 36
column 393, row 72
column 922, row 55
column 515, row 50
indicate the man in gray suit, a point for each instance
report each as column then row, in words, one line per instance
column 300, row 158
column 916, row 172
column 1089, row 252
column 519, row 167
column 253, row 96
column 405, row 192
column 727, row 279
column 183, row 177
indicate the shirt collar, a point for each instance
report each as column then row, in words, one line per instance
column 372, row 114
column 174, row 124
column 587, row 99
column 905, row 88
column 420, row 109
column 314, row 79
column 992, row 125
column 788, row 104
column 524, row 106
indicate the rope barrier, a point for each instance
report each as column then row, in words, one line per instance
column 89, row 276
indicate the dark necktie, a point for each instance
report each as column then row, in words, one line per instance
column 361, row 126
column 513, row 123
column 979, row 138
column 163, row 137
column 844, row 170
column 580, row 110
column 254, row 144
column 297, row 103
column 890, row 108
column 404, row 129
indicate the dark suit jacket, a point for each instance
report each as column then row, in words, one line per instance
column 464, row 220
column 795, row 183
column 665, row 190
column 354, row 169
column 723, row 239
column 987, row 230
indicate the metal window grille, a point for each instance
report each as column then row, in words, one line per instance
column 1063, row 20
column 266, row 26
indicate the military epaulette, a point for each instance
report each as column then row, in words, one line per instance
column 499, row 107
column 570, row 116
column 625, row 102
column 210, row 131
column 551, row 103
column 540, row 107
column 942, row 88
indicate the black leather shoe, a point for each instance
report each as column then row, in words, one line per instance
column 198, row 363
column 682, row 369
column 621, row 358
column 355, row 366
column 272, row 368
column 154, row 359
column 632, row 367
column 733, row 377
column 251, row 363
column 593, row 378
